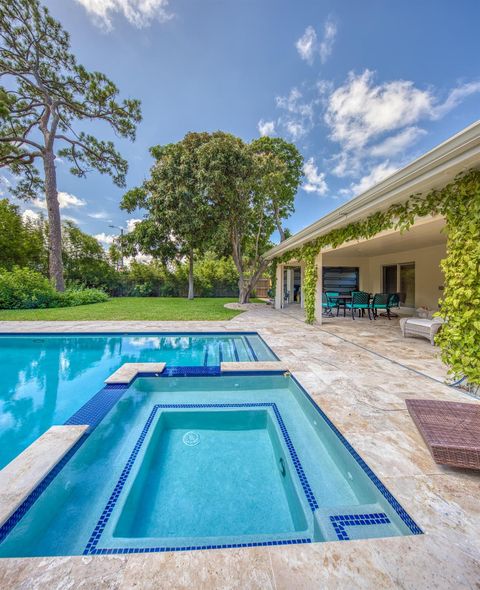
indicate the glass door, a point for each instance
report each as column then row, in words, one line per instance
column 407, row 284
column 390, row 279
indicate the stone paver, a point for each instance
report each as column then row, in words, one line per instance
column 360, row 373
column 27, row 470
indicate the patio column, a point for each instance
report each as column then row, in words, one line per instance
column 319, row 288
column 279, row 287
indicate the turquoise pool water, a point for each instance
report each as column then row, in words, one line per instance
column 46, row 378
column 185, row 463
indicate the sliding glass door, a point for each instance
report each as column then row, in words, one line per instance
column 400, row 278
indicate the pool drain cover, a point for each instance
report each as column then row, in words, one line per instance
column 191, row 438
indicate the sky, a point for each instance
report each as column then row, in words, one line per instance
column 361, row 88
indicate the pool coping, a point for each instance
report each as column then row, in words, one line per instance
column 24, row 474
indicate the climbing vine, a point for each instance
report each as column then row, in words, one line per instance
column 459, row 203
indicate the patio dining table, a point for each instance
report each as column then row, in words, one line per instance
column 342, row 301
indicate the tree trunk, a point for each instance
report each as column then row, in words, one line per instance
column 190, row 276
column 55, row 262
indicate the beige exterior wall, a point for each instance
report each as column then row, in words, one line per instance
column 428, row 275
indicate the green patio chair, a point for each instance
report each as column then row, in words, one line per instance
column 394, row 301
column 360, row 302
column 380, row 301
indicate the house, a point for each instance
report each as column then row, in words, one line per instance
column 390, row 260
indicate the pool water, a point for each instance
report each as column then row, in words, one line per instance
column 46, row 378
column 201, row 462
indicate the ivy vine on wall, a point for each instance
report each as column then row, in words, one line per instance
column 459, row 203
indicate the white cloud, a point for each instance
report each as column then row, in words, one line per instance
column 455, row 97
column 298, row 119
column 294, row 104
column 376, row 174
column 314, row 180
column 99, row 215
column 295, row 129
column 29, row 215
column 266, row 127
column 106, row 239
column 131, row 223
column 359, row 110
column 139, row 13
column 397, row 143
column 326, row 45
column 307, row 44
column 65, row 200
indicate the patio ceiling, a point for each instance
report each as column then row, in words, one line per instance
column 425, row 233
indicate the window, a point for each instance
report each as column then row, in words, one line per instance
column 340, row 279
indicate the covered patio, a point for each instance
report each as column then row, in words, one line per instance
column 401, row 258
column 390, row 262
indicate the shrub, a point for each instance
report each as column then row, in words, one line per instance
column 79, row 296
column 23, row 288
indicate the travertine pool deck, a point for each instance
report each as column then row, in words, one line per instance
column 360, row 373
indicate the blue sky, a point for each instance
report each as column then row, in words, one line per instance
column 360, row 87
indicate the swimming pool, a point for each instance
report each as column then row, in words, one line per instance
column 182, row 463
column 45, row 378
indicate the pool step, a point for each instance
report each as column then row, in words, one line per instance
column 343, row 523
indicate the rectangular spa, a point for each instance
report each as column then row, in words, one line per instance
column 48, row 377
column 183, row 463
column 233, row 454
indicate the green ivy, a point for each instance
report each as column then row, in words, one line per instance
column 459, row 203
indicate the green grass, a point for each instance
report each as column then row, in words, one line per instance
column 133, row 308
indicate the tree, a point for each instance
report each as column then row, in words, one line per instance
column 21, row 241
column 85, row 259
column 47, row 92
column 281, row 170
column 180, row 220
column 243, row 182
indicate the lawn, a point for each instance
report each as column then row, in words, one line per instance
column 133, row 308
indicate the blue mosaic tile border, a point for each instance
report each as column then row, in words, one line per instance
column 30, row 500
column 235, row 350
column 202, row 371
column 91, row 547
column 116, row 551
column 404, row 516
column 341, row 521
column 93, row 412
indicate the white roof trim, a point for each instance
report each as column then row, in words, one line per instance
column 434, row 169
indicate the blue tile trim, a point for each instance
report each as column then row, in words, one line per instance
column 116, row 551
column 91, row 547
column 202, row 371
column 341, row 521
column 30, row 500
column 404, row 516
column 252, row 352
column 93, row 412
column 235, row 351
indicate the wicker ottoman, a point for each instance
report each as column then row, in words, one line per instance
column 421, row 328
